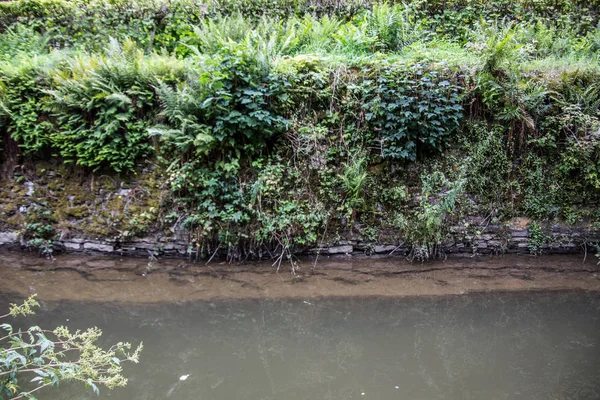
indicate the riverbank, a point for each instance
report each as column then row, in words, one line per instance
column 254, row 136
column 71, row 277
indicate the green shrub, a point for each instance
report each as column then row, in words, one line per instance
column 413, row 108
column 22, row 108
column 424, row 227
column 232, row 109
column 156, row 24
column 42, row 353
column 21, row 39
column 539, row 189
column 537, row 239
column 100, row 104
column 489, row 168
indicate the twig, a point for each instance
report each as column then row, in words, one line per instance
column 320, row 245
column 213, row 255
column 28, row 394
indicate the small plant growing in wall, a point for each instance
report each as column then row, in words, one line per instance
column 39, row 236
column 537, row 239
column 353, row 179
column 426, row 226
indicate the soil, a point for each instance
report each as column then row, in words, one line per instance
column 86, row 278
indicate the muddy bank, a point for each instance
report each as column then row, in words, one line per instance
column 135, row 280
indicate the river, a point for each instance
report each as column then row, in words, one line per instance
column 462, row 342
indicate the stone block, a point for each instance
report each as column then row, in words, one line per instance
column 30, row 188
column 476, row 220
column 347, row 249
column 384, row 249
column 318, row 250
column 72, row 246
column 126, row 249
column 519, row 223
column 9, row 237
column 484, row 237
column 495, row 228
column 520, row 233
column 519, row 240
column 123, row 192
column 145, row 246
column 104, row 248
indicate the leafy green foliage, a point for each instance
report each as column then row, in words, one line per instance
column 101, row 105
column 40, row 235
column 46, row 358
column 414, row 109
column 537, row 239
column 489, row 166
column 21, row 39
column 425, row 227
column 285, row 218
column 354, row 177
column 164, row 24
column 93, row 111
column 22, row 112
column 231, row 108
column 394, row 26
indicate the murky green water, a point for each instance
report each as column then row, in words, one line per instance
column 493, row 346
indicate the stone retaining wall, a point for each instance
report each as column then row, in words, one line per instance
column 474, row 237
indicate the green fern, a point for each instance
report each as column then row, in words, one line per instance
column 183, row 133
